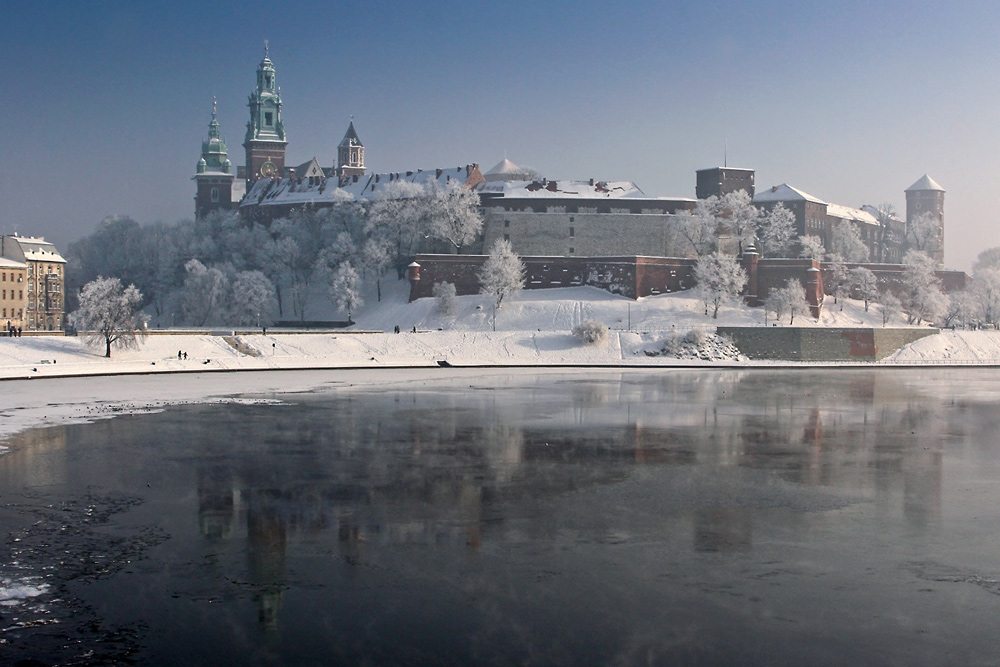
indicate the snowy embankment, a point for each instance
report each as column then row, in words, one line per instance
column 533, row 329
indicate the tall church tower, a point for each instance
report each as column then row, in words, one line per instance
column 213, row 173
column 927, row 196
column 265, row 141
column 351, row 154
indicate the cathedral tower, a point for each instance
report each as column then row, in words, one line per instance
column 213, row 173
column 350, row 154
column 926, row 196
column 265, row 141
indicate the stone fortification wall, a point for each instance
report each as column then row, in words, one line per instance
column 890, row 277
column 558, row 232
column 629, row 276
column 821, row 344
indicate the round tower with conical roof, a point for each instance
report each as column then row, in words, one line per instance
column 926, row 196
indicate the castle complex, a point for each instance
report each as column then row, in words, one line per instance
column 540, row 217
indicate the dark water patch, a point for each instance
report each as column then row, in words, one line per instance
column 632, row 518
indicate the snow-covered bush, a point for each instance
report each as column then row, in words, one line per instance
column 590, row 332
column 444, row 295
column 695, row 337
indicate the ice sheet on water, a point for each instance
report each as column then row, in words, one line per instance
column 13, row 593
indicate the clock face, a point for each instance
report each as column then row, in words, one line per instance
column 268, row 169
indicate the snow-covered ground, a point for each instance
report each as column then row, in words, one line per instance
column 533, row 329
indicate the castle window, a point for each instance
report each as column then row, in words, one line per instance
column 572, row 250
column 506, row 223
column 267, row 118
column 215, row 194
column 506, row 237
column 572, row 232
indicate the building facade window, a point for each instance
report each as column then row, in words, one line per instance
column 215, row 195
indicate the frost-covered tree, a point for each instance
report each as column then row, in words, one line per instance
column 985, row 294
column 789, row 299
column 444, row 296
column 740, row 217
column 252, row 300
column 397, row 220
column 697, row 232
column 205, row 292
column 775, row 231
column 959, row 308
column 921, row 296
column 885, row 215
column 502, row 273
column 344, row 290
column 109, row 314
column 838, row 279
column 923, row 233
column 453, row 215
column 864, row 284
column 374, row 260
column 889, row 306
column 811, row 247
column 987, row 259
column 845, row 241
column 720, row 279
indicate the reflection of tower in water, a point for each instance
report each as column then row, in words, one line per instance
column 218, row 504
column 266, row 547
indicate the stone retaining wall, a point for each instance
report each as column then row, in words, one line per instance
column 821, row 343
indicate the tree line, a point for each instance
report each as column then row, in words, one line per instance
column 223, row 270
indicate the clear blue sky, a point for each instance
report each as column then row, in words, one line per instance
column 106, row 103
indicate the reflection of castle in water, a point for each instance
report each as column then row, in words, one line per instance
column 455, row 468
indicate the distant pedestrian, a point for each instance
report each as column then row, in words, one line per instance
column 414, row 328
column 178, row 355
column 19, row 332
column 185, row 356
column 397, row 329
column 265, row 331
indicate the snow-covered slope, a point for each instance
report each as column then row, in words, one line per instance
column 532, row 329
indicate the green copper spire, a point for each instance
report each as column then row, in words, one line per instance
column 265, row 105
column 213, row 150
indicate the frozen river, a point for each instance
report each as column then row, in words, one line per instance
column 821, row 517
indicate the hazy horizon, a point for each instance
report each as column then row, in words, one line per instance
column 108, row 103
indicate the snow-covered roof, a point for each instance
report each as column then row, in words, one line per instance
column 925, row 183
column 853, row 214
column 7, row 263
column 309, row 169
column 568, row 189
column 505, row 170
column 33, row 249
column 289, row 192
column 874, row 212
column 784, row 192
